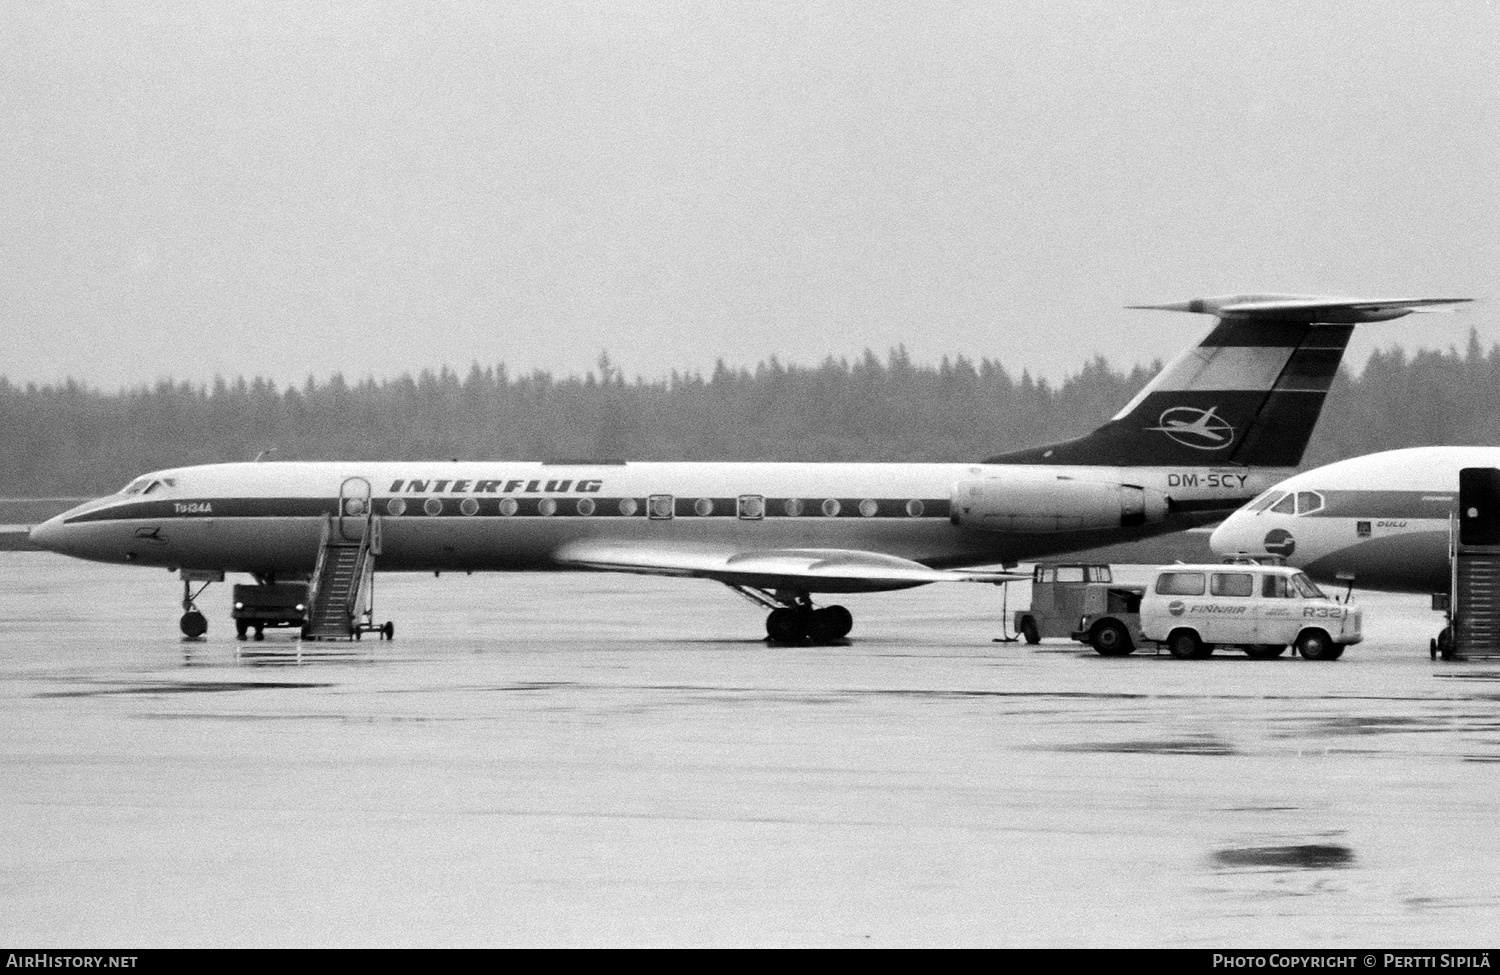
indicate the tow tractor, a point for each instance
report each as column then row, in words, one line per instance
column 1080, row 601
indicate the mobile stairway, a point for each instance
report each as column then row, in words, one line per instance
column 342, row 590
column 1473, row 602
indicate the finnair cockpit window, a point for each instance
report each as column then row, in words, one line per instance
column 1307, row 587
column 1309, row 501
column 1264, row 501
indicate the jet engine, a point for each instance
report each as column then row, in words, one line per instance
column 1033, row 504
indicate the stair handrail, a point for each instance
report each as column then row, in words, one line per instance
column 316, row 584
column 357, row 582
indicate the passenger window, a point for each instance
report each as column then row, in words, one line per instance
column 1275, row 587
column 1286, row 506
column 1233, row 584
column 1308, row 502
column 1264, row 501
column 1180, row 584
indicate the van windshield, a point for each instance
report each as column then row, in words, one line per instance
column 1307, row 587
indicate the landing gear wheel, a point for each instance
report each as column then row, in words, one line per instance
column 240, row 629
column 829, row 624
column 1110, row 639
column 1265, row 651
column 1029, row 632
column 388, row 631
column 1185, row 645
column 1317, row 645
column 786, row 626
column 193, row 624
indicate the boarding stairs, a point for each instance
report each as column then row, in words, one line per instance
column 341, row 591
column 1474, row 561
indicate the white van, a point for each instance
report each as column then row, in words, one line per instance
column 1260, row 608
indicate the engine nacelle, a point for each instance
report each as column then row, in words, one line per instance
column 1042, row 503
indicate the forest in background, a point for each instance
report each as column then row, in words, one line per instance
column 71, row 440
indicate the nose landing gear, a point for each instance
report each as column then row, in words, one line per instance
column 193, row 623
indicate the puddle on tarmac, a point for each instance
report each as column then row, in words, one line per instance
column 198, row 687
column 1301, row 856
column 1206, row 745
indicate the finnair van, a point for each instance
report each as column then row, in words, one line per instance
column 1260, row 608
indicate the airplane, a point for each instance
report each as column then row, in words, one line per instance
column 1380, row 521
column 1221, row 423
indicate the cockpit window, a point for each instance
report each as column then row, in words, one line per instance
column 1264, row 501
column 1308, row 501
column 1286, row 506
column 148, row 484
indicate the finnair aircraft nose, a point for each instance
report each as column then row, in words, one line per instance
column 1232, row 536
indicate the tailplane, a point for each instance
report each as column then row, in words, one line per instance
column 1248, row 394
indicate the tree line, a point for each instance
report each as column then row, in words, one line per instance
column 71, row 439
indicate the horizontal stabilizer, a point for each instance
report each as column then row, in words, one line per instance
column 805, row 569
column 1304, row 308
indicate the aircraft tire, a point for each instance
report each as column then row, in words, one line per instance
column 786, row 625
column 1316, row 645
column 1110, row 639
column 1185, row 645
column 192, row 624
column 829, row 624
column 1029, row 631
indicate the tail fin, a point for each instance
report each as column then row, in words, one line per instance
column 1249, row 394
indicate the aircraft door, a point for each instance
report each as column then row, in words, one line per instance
column 354, row 508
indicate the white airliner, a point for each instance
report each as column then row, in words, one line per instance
column 1380, row 521
column 1224, row 421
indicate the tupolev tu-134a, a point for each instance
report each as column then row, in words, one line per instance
column 1223, row 422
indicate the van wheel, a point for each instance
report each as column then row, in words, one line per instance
column 1185, row 645
column 1265, row 651
column 1111, row 639
column 1317, row 645
column 1028, row 631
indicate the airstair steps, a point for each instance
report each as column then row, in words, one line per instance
column 1477, row 601
column 336, row 591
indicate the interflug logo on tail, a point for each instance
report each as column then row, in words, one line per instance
column 1195, row 428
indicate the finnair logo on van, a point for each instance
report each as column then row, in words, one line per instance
column 1192, row 427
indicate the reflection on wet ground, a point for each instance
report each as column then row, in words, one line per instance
column 616, row 760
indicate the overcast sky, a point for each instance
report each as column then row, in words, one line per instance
column 283, row 189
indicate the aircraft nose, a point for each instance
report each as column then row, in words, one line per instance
column 47, row 535
column 1230, row 537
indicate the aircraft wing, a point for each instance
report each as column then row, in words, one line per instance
column 806, row 569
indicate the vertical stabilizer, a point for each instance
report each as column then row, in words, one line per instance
column 1248, row 394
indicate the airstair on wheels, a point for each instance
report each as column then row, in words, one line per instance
column 342, row 588
column 1474, row 560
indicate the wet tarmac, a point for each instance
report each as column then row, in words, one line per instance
column 617, row 760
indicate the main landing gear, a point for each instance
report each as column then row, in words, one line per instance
column 794, row 619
